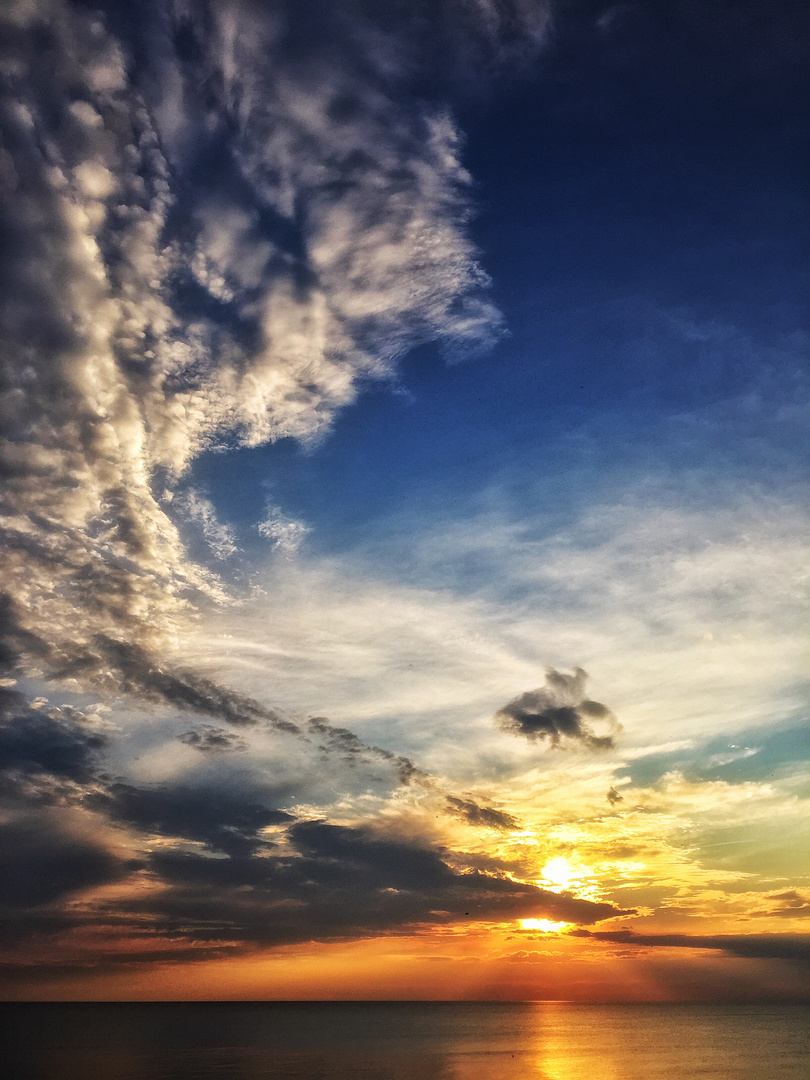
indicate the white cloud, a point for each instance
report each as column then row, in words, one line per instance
column 199, row 509
column 285, row 533
column 152, row 313
column 690, row 621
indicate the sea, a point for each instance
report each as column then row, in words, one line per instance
column 403, row 1041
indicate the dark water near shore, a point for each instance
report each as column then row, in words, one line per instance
column 403, row 1041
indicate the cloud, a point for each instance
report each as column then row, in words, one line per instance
column 219, row 538
column 395, row 642
column 42, row 861
column 284, row 533
column 224, row 819
column 126, row 666
column 790, row 904
column 340, row 882
column 795, row 947
column 139, row 673
column 57, row 742
column 485, row 816
column 559, row 712
column 212, row 740
column 217, row 230
column 336, row 740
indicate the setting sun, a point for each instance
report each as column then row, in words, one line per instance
column 546, row 926
column 559, row 874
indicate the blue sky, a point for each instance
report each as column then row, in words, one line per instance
column 646, row 251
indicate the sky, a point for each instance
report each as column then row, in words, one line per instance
column 404, row 504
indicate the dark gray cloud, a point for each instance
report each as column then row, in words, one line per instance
column 55, row 741
column 344, row 743
column 614, row 797
column 338, row 881
column 791, row 904
column 224, row 818
column 41, row 862
column 559, row 713
column 212, row 740
column 794, row 947
column 320, row 881
column 485, row 816
column 140, row 673
column 127, row 667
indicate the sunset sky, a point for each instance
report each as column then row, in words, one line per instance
column 405, row 509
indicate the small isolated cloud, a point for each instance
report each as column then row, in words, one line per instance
column 560, row 714
column 285, row 533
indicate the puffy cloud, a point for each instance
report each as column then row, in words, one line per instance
column 218, row 227
column 559, row 712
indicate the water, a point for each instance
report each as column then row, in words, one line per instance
column 404, row 1041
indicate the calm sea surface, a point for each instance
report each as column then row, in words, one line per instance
column 404, row 1041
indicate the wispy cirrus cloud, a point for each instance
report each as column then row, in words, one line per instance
column 284, row 533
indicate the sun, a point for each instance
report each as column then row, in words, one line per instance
column 558, row 874
column 546, row 926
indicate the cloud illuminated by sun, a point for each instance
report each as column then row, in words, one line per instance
column 558, row 874
column 546, row 926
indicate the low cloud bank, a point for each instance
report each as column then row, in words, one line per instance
column 795, row 947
